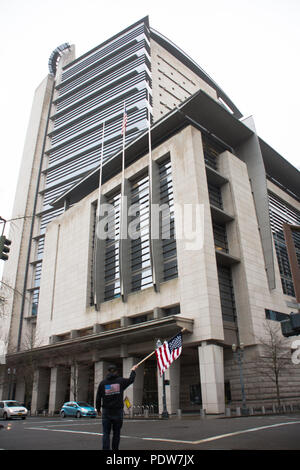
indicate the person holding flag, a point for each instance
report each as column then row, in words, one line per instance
column 110, row 390
column 110, row 398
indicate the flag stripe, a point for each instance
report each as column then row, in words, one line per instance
column 163, row 364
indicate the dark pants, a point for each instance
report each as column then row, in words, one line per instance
column 111, row 419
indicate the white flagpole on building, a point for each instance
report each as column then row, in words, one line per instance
column 124, row 124
column 150, row 190
column 149, row 127
column 101, row 166
column 98, row 213
column 123, row 206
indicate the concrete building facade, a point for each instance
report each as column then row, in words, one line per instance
column 194, row 236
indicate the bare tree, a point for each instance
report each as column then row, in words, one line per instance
column 275, row 356
column 74, row 378
column 23, row 369
column 4, row 293
column 4, row 326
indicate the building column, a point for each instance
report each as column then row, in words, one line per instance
column 40, row 390
column 100, row 372
column 59, row 381
column 79, row 383
column 212, row 377
column 172, row 390
column 3, row 383
column 135, row 391
column 20, row 391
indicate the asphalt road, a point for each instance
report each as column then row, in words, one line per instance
column 280, row 432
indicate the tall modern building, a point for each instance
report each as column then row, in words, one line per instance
column 125, row 238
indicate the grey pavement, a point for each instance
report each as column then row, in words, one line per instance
column 273, row 432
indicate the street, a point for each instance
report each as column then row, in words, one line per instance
column 277, row 432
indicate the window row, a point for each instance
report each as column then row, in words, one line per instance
column 140, row 262
column 281, row 212
column 85, row 62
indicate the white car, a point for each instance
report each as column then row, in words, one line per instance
column 12, row 409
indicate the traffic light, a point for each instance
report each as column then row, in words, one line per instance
column 291, row 326
column 4, row 244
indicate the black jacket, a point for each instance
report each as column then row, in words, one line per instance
column 110, row 391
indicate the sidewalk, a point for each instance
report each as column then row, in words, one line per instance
column 229, row 413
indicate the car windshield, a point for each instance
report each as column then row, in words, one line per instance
column 82, row 403
column 11, row 404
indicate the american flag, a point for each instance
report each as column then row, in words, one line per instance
column 168, row 352
column 124, row 123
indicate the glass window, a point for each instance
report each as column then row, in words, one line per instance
column 112, row 287
column 168, row 237
column 140, row 245
column 280, row 213
column 226, row 294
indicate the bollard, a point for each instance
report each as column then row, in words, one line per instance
column 227, row 412
column 202, row 413
column 238, row 411
column 263, row 410
column 179, row 413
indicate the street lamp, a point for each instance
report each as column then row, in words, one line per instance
column 11, row 382
column 238, row 351
column 165, row 413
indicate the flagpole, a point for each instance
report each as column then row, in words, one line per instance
column 150, row 176
column 124, row 135
column 145, row 358
column 98, row 213
column 101, row 166
column 123, row 169
column 122, row 203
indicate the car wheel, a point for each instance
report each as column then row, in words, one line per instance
column 23, row 417
column 62, row 414
column 5, row 415
column 78, row 414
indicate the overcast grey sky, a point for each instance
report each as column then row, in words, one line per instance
column 249, row 47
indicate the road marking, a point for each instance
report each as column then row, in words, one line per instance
column 236, row 433
column 160, row 439
column 66, row 430
column 51, row 422
column 220, row 436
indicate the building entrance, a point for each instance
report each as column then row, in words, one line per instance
column 150, row 394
